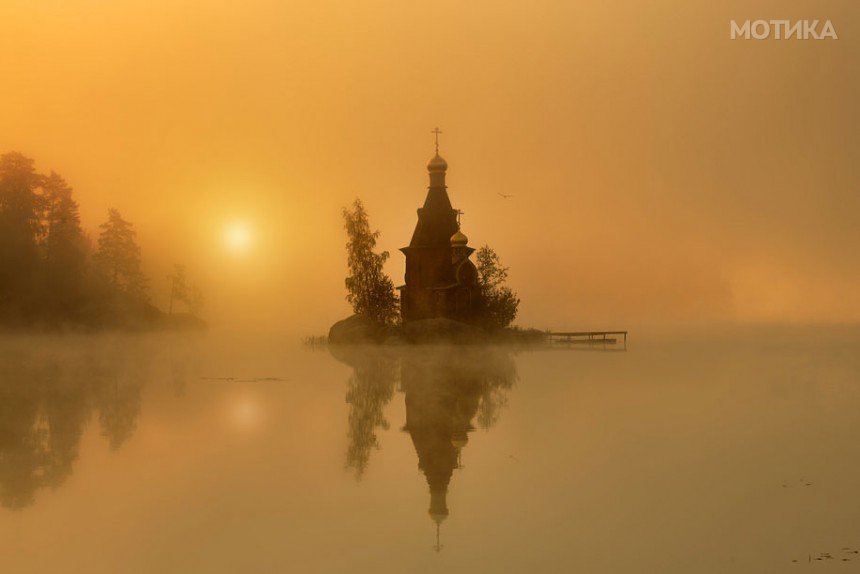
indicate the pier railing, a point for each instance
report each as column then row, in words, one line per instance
column 588, row 337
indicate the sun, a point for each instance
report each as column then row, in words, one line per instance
column 238, row 237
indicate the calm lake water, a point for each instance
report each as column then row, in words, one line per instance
column 735, row 451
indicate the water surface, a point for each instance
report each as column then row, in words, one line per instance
column 734, row 451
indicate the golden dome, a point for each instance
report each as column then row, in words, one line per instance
column 459, row 238
column 438, row 517
column 437, row 163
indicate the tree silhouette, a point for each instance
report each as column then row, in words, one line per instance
column 45, row 403
column 119, row 408
column 369, row 290
column 47, row 277
column 500, row 302
column 65, row 246
column 23, row 445
column 371, row 388
column 20, row 204
column 20, row 226
column 62, row 222
column 118, row 255
column 182, row 291
column 178, row 287
column 66, row 405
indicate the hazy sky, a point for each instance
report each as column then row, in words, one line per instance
column 660, row 171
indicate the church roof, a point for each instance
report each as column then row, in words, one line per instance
column 437, row 219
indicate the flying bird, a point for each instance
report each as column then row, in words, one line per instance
column 504, row 195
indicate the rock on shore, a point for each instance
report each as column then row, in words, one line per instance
column 358, row 330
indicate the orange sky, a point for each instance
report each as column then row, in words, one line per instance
column 661, row 172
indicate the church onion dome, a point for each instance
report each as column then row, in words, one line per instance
column 438, row 517
column 437, row 164
column 459, row 238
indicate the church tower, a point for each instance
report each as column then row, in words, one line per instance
column 441, row 280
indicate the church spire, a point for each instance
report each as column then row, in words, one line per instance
column 437, row 166
column 438, row 547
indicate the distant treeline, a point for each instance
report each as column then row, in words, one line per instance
column 51, row 273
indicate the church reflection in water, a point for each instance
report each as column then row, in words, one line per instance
column 46, row 402
column 49, row 397
column 448, row 393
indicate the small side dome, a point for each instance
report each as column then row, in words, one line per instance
column 459, row 238
column 437, row 164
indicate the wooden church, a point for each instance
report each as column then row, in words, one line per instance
column 441, row 280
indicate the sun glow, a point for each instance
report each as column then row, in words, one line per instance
column 245, row 413
column 238, row 237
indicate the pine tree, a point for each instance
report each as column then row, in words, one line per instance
column 20, row 204
column 64, row 248
column 369, row 290
column 118, row 255
column 20, row 227
column 64, row 243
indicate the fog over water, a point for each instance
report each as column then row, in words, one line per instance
column 732, row 450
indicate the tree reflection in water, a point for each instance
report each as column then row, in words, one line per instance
column 46, row 401
column 447, row 390
column 370, row 388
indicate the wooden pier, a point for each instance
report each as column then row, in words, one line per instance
column 601, row 338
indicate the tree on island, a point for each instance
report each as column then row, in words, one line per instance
column 118, row 256
column 178, row 287
column 65, row 246
column 500, row 302
column 49, row 275
column 20, row 202
column 184, row 292
column 369, row 290
column 20, row 229
column 64, row 239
